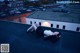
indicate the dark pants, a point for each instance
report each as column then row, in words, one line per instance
column 40, row 31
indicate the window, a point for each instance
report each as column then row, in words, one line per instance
column 63, row 26
column 30, row 22
column 57, row 26
column 40, row 23
column 77, row 29
column 51, row 25
column 34, row 22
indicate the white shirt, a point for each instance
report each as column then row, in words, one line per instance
column 48, row 32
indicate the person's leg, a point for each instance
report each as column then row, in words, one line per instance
column 30, row 28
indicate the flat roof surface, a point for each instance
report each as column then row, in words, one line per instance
column 22, row 42
column 4, row 15
column 56, row 16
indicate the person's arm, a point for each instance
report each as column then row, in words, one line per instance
column 57, row 34
column 30, row 28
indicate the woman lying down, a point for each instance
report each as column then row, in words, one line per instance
column 40, row 31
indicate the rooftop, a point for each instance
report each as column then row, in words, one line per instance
column 64, row 13
column 56, row 16
column 22, row 42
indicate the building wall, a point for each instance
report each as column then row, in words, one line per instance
column 68, row 26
